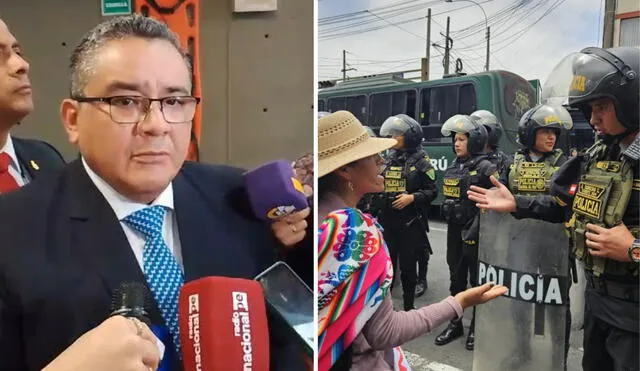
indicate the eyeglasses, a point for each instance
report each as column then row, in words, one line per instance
column 134, row 109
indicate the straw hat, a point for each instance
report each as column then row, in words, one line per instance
column 342, row 139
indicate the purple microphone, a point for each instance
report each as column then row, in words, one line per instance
column 274, row 191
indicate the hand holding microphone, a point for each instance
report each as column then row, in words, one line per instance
column 278, row 197
column 292, row 228
column 118, row 343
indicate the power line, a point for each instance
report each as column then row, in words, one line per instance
column 463, row 44
column 519, row 34
column 350, row 31
column 514, row 36
column 407, row 31
column 354, row 15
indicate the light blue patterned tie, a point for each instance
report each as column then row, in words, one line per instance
column 163, row 272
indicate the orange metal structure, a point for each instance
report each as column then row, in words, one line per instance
column 183, row 18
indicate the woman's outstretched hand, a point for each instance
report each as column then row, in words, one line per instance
column 480, row 294
column 498, row 198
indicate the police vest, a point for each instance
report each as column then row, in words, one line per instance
column 456, row 208
column 602, row 197
column 395, row 179
column 399, row 171
column 531, row 178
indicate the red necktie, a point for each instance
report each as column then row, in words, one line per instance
column 7, row 181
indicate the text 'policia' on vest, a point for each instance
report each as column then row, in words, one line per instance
column 601, row 191
column 599, row 185
column 528, row 176
column 409, row 189
column 464, row 172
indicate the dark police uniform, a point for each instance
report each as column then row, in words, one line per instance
column 461, row 214
column 532, row 177
column 494, row 129
column 408, row 170
column 601, row 187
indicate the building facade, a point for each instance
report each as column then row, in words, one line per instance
column 621, row 23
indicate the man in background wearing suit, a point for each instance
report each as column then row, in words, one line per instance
column 130, row 209
column 21, row 160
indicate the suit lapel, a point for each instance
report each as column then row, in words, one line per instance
column 28, row 165
column 98, row 235
column 204, row 236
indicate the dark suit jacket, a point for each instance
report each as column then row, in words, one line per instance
column 37, row 157
column 64, row 253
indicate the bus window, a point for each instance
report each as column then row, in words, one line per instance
column 379, row 109
column 322, row 105
column 424, row 107
column 337, row 104
column 404, row 102
column 467, row 99
column 444, row 103
column 358, row 106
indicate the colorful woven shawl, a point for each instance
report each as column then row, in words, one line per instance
column 354, row 275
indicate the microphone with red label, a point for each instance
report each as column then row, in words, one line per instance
column 274, row 191
column 223, row 325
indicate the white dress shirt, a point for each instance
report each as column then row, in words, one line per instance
column 14, row 167
column 123, row 207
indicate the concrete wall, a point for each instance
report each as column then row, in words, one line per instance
column 257, row 75
column 627, row 6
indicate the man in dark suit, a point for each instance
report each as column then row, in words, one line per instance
column 21, row 160
column 130, row 209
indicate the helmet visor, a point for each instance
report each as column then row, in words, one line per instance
column 575, row 78
column 486, row 117
column 457, row 124
column 393, row 126
column 553, row 116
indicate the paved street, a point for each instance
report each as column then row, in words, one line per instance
column 422, row 352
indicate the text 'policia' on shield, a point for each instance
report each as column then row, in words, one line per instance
column 524, row 286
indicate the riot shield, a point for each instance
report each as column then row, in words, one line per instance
column 525, row 329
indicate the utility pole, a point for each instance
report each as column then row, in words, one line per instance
column 425, row 61
column 344, row 66
column 446, row 49
column 486, row 66
column 608, row 23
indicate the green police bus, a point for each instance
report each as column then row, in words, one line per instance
column 507, row 95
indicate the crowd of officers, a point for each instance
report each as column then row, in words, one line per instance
column 546, row 184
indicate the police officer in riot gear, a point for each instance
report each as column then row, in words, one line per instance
column 601, row 189
column 494, row 129
column 531, row 172
column 410, row 188
column 471, row 167
column 538, row 130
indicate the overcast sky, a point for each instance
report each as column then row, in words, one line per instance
column 522, row 39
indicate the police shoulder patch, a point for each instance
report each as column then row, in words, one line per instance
column 431, row 173
column 424, row 164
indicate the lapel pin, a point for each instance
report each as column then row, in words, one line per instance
column 34, row 165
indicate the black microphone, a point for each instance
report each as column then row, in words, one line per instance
column 130, row 300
